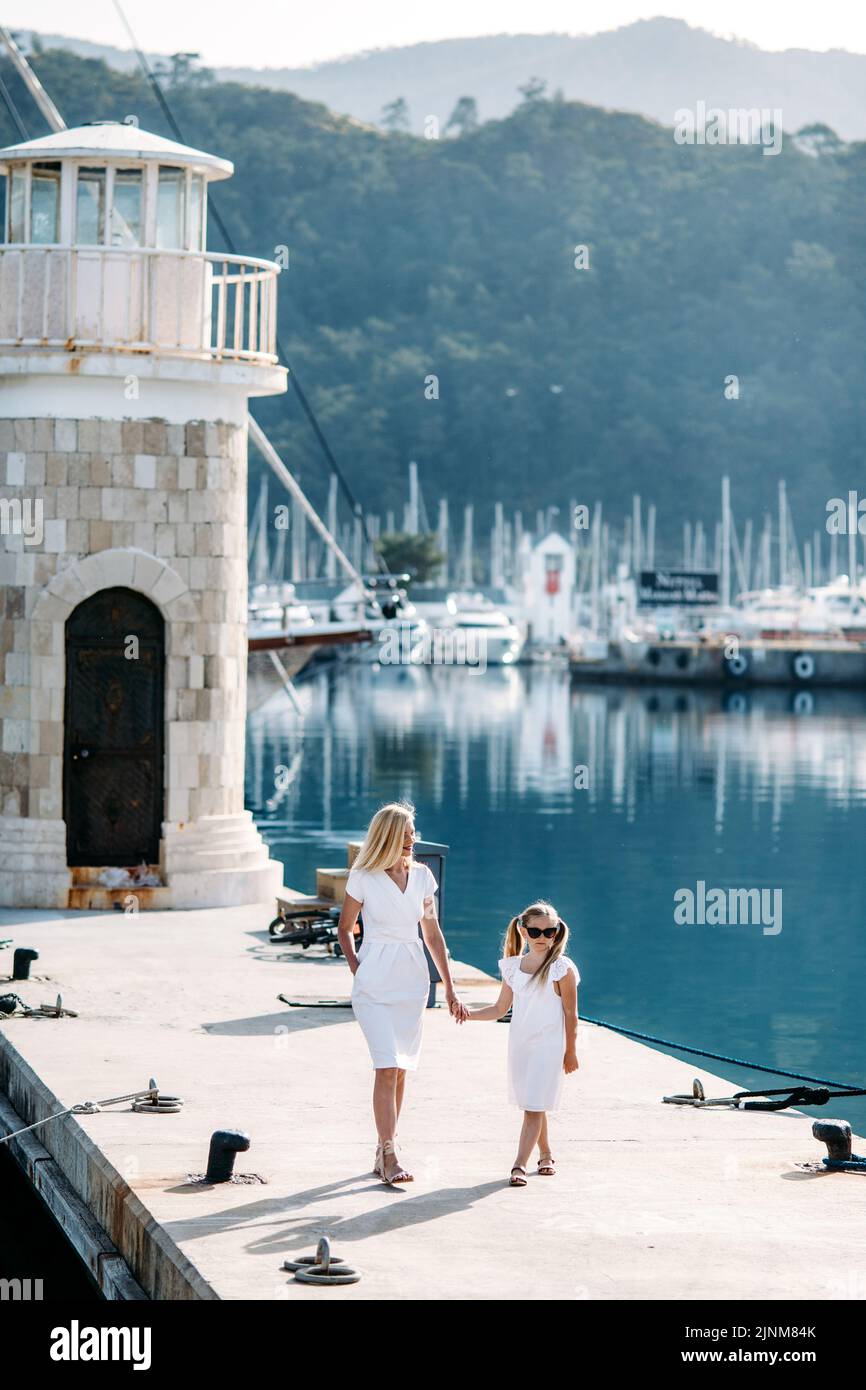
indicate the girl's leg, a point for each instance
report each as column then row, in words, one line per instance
column 401, row 1086
column 529, row 1133
column 545, row 1161
column 544, row 1139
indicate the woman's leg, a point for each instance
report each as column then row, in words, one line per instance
column 387, row 1087
column 385, row 1108
column 398, row 1099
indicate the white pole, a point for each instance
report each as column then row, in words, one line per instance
column 331, row 562
column 32, row 83
column 468, row 546
column 651, row 537
column 726, row 542
column 783, row 534
column 412, row 519
column 596, row 568
column 636, row 539
column 442, row 539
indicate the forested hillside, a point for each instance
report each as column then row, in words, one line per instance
column 454, row 258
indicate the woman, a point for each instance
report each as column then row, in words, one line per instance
column 391, row 980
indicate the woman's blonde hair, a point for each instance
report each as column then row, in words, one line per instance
column 513, row 945
column 383, row 843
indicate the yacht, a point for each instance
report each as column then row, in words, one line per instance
column 473, row 631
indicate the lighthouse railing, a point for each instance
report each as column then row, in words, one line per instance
column 138, row 299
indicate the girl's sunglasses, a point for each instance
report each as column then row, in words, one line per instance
column 536, row 932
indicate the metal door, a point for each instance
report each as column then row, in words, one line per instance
column 113, row 747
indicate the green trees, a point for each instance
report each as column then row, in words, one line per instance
column 456, row 258
column 395, row 116
column 415, row 555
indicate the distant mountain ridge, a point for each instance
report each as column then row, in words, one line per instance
column 652, row 68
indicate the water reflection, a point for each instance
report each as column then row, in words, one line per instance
column 526, row 731
column 607, row 800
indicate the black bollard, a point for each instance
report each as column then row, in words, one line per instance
column 21, row 962
column 836, row 1134
column 224, row 1144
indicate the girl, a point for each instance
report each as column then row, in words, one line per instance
column 391, row 979
column 540, row 987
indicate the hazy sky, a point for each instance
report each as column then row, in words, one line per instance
column 259, row 34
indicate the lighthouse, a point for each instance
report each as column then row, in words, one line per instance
column 128, row 355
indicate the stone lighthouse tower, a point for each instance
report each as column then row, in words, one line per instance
column 128, row 355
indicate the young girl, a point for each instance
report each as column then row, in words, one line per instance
column 540, row 987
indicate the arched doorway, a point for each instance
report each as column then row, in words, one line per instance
column 113, row 745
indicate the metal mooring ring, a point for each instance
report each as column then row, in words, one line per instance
column 161, row 1105
column 318, row 1269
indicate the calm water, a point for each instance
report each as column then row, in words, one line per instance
column 752, row 791
column 32, row 1245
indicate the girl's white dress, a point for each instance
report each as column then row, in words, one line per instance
column 536, row 1035
column 392, row 982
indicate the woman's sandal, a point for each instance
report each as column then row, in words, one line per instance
column 377, row 1163
column 401, row 1176
column 546, row 1165
column 517, row 1181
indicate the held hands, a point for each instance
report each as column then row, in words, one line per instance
column 570, row 1063
column 457, row 1010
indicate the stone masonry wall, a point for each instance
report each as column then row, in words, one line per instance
column 165, row 507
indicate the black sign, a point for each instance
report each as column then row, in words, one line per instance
column 678, row 588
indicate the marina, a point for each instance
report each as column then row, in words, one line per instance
column 292, row 776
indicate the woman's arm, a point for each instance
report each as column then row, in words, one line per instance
column 489, row 1013
column 568, row 996
column 346, row 930
column 435, row 943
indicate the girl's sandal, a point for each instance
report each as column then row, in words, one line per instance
column 546, row 1165
column 517, row 1181
column 400, row 1176
column 377, row 1163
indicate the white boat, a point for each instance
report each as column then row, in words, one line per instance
column 472, row 632
column 276, row 606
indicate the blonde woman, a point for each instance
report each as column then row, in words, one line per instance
column 539, row 985
column 391, row 980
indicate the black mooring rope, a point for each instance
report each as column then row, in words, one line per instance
column 721, row 1057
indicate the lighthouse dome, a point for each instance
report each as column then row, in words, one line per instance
column 116, row 140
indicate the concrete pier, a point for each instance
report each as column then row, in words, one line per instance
column 650, row 1201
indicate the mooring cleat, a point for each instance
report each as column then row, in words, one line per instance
column 836, row 1134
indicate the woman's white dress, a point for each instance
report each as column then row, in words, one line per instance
column 392, row 982
column 536, row 1034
